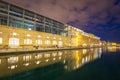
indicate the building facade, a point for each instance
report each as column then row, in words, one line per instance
column 23, row 28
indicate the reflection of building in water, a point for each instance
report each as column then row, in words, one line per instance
column 80, row 57
column 112, row 48
column 25, row 62
column 68, row 59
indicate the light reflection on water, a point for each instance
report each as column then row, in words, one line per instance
column 48, row 63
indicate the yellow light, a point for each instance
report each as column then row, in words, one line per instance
column 39, row 36
column 0, row 40
column 12, row 67
column 28, row 35
column 54, row 58
column 14, row 33
column 37, row 62
column 26, row 64
column 46, row 60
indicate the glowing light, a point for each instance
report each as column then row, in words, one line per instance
column 60, row 53
column 29, row 29
column 54, row 58
column 54, row 42
column 60, row 38
column 64, row 61
column 39, row 36
column 13, row 41
column 37, row 62
column 1, row 40
column 46, row 60
column 54, row 38
column 14, row 33
column 0, row 32
column 47, row 37
column 46, row 55
column 12, row 60
column 38, row 56
column 27, row 57
column 12, row 67
column 59, row 57
column 39, row 41
column 26, row 64
column 0, row 61
column 65, row 67
column 27, row 41
column 28, row 35
column 54, row 54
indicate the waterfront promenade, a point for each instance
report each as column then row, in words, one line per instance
column 22, row 51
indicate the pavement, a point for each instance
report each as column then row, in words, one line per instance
column 20, row 50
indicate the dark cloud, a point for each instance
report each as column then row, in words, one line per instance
column 94, row 16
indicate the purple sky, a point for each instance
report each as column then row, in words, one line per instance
column 100, row 17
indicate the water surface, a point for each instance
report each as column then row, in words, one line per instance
column 84, row 64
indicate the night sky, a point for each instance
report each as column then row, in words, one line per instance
column 100, row 17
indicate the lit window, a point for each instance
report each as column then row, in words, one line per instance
column 54, row 54
column 12, row 60
column 54, row 38
column 0, row 61
column 14, row 34
column 27, row 41
column 47, row 42
column 60, row 53
column 47, row 37
column 27, row 57
column 39, row 36
column 46, row 60
column 0, row 40
column 54, row 58
column 28, row 35
column 26, row 64
column 54, row 42
column 12, row 67
column 46, row 55
column 37, row 62
column 38, row 56
column 13, row 41
column 60, row 43
column 39, row 41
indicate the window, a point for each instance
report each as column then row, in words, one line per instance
column 60, row 43
column 12, row 60
column 27, row 41
column 54, row 31
column 38, row 41
column 15, row 22
column 3, row 7
column 47, row 42
column 27, row 57
column 13, row 41
column 28, row 25
column 0, row 40
column 3, row 20
column 39, row 27
column 47, row 29
column 54, row 42
column 15, row 11
column 46, row 55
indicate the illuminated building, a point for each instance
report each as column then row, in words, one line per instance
column 21, row 28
